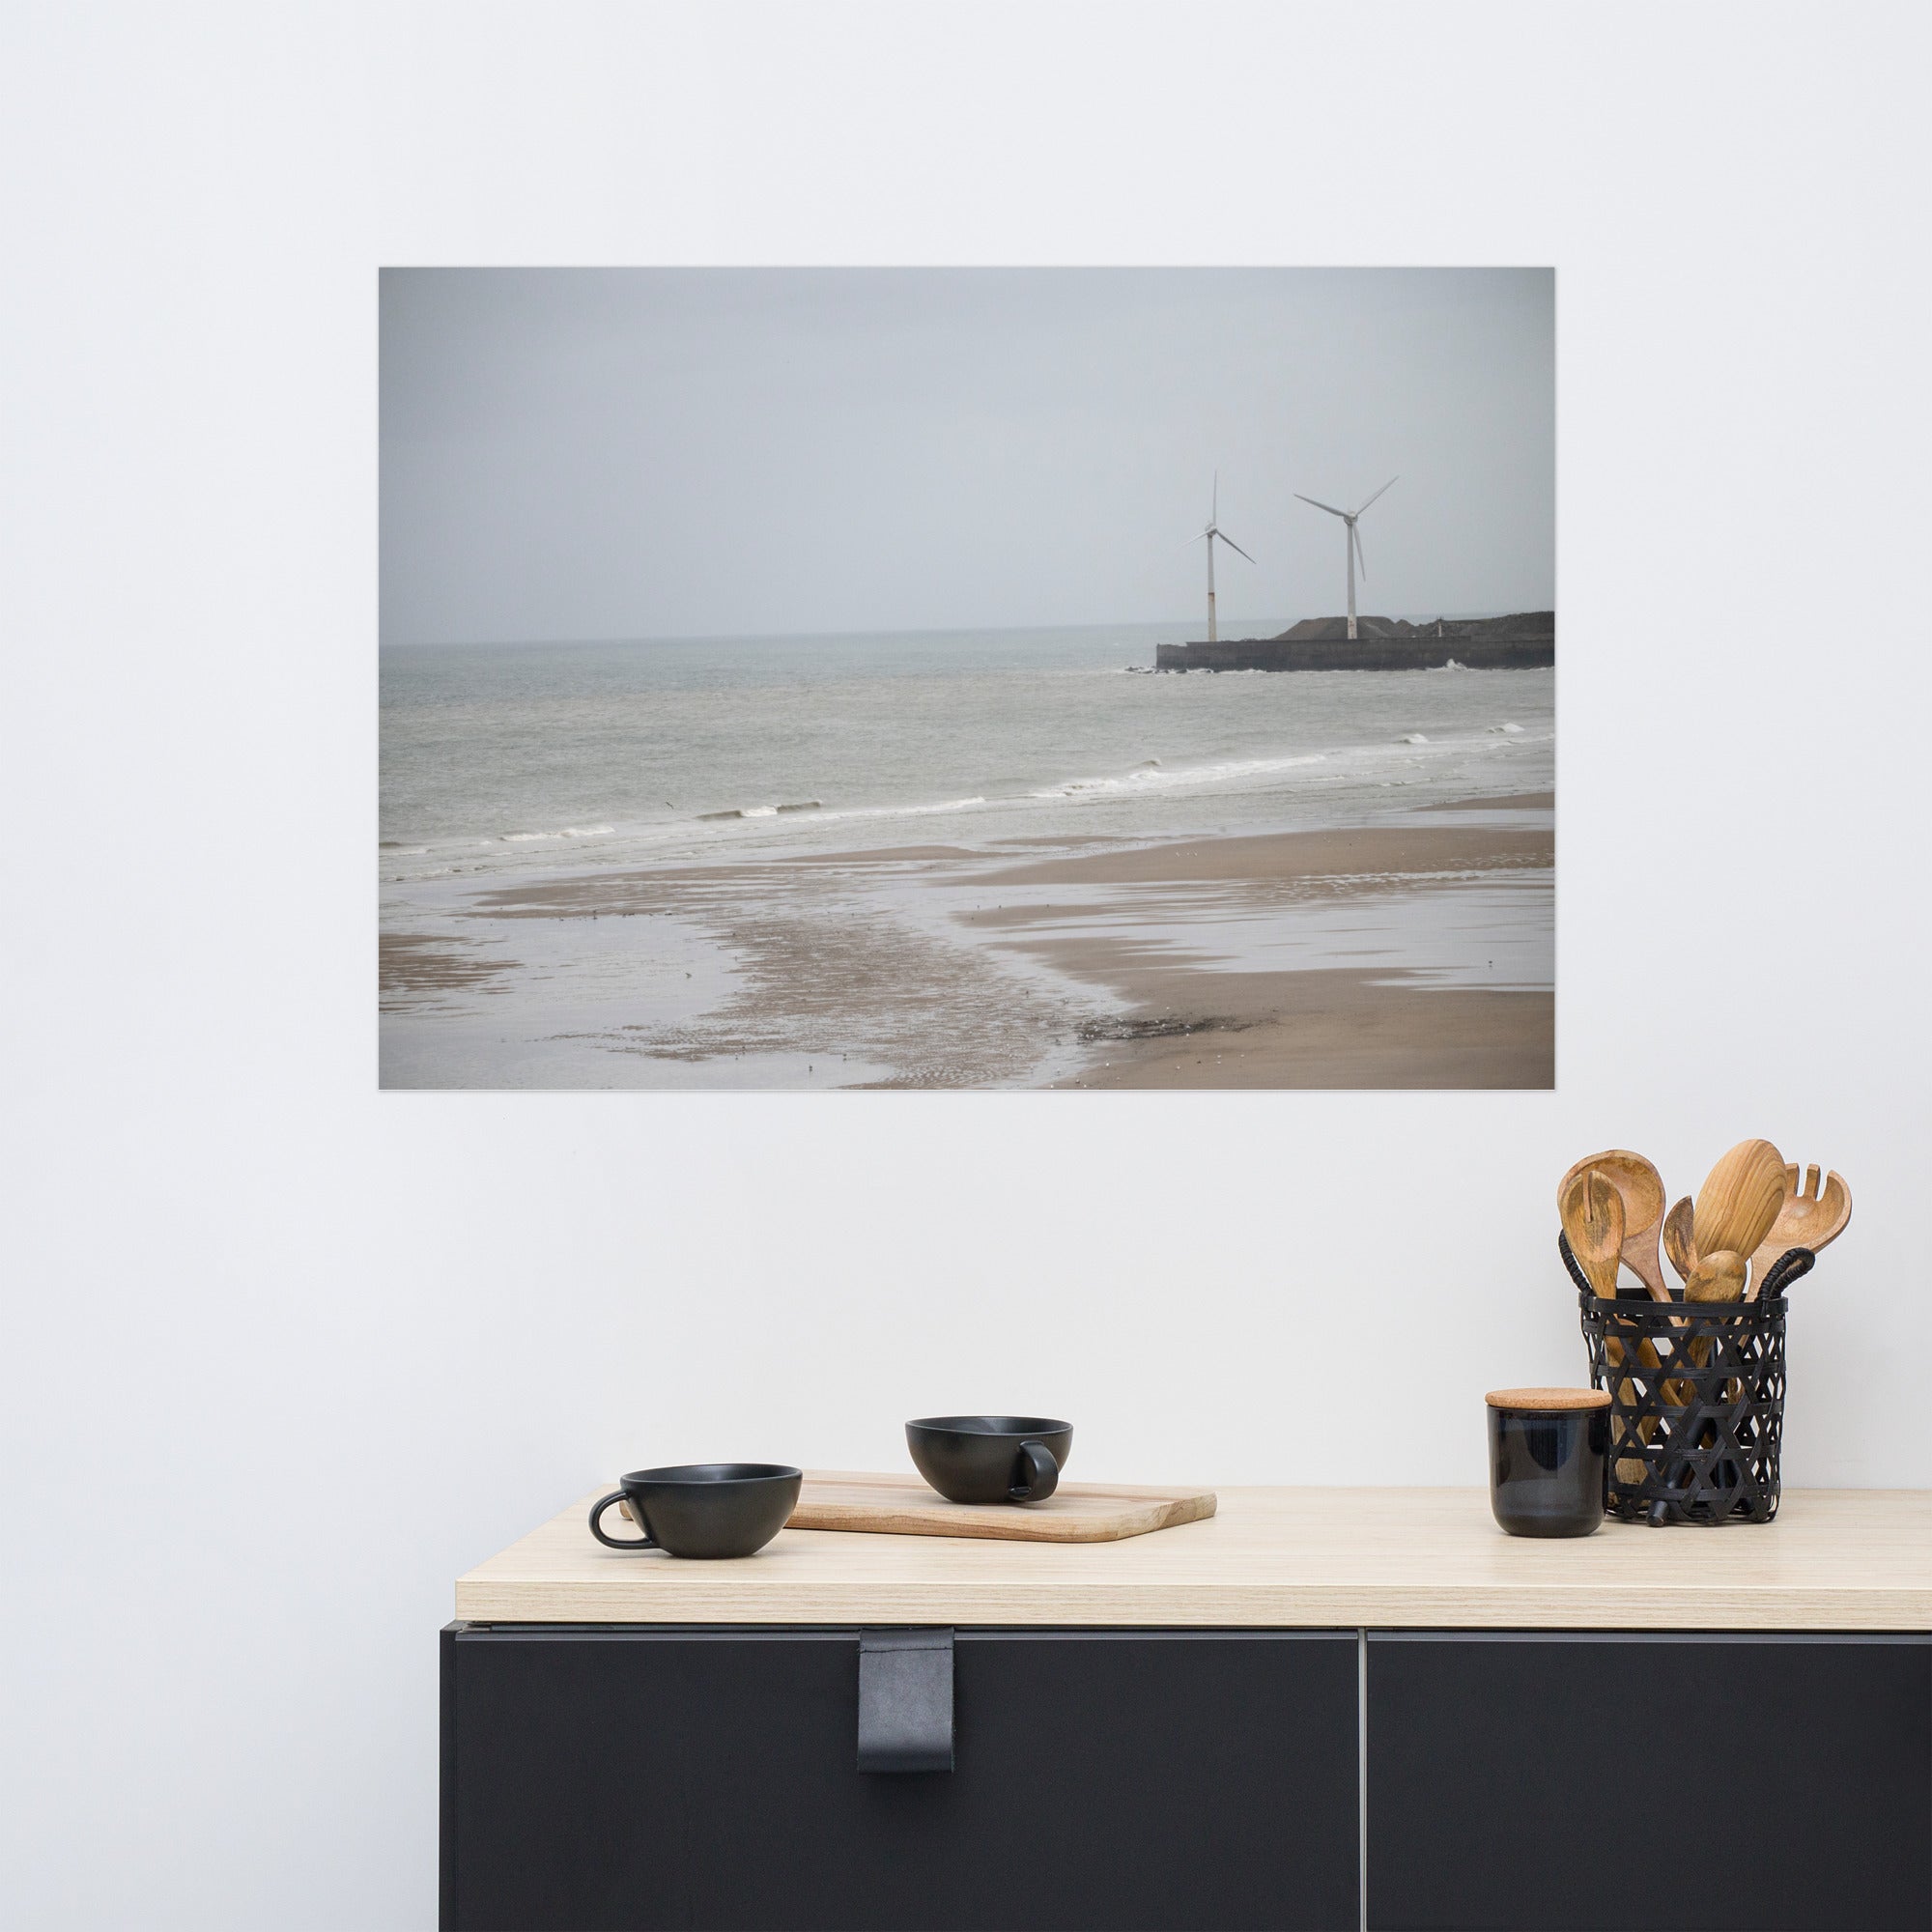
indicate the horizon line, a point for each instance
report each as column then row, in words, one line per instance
column 899, row 631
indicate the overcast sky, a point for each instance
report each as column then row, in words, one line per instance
column 580, row 453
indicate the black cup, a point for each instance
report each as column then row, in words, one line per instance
column 990, row 1458
column 1549, row 1460
column 703, row 1509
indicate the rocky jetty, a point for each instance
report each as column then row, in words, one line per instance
column 1525, row 641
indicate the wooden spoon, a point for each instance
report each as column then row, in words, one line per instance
column 1642, row 1190
column 1592, row 1218
column 1715, row 1277
column 1738, row 1201
column 1808, row 1217
column 1680, row 1241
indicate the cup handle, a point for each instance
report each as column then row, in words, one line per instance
column 597, row 1510
column 1041, row 1475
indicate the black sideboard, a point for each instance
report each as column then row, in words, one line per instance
column 607, row 1777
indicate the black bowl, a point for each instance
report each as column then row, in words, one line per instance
column 703, row 1509
column 990, row 1458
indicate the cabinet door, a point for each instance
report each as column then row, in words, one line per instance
column 1570, row 1782
column 624, row 1778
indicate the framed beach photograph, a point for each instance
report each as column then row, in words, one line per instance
column 967, row 678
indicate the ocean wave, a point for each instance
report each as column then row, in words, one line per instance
column 1150, row 775
column 1140, row 793
column 762, row 811
column 904, row 810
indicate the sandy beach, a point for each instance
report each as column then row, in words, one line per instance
column 1410, row 953
column 1191, row 1023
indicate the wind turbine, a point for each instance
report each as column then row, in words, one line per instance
column 1207, row 537
column 1354, row 542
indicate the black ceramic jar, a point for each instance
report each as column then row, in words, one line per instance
column 1548, row 1459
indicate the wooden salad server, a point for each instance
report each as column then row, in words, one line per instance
column 1810, row 1216
column 1641, row 1187
column 1592, row 1211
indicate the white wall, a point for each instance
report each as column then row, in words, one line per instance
column 284, row 1354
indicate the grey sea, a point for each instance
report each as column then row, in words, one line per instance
column 597, row 859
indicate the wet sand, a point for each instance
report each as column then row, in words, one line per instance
column 1191, row 1024
column 1352, row 854
column 412, row 964
column 1311, row 1028
column 1530, row 801
column 1304, row 959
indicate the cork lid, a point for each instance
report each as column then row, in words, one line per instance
column 1549, row 1400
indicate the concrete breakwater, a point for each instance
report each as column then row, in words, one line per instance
column 1523, row 641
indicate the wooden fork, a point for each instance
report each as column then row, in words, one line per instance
column 1809, row 1217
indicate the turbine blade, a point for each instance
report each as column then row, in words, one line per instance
column 1393, row 481
column 1214, row 512
column 1330, row 508
column 1232, row 545
column 1359, row 557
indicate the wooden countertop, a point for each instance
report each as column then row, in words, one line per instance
column 1834, row 1559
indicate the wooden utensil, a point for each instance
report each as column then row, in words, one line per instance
column 1739, row 1200
column 1680, row 1243
column 1717, row 1277
column 1680, row 1240
column 1808, row 1217
column 1592, row 1218
column 1593, row 1223
column 1641, row 1187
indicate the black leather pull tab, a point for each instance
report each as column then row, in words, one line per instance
column 905, row 1700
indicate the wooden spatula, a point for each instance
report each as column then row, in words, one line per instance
column 1739, row 1200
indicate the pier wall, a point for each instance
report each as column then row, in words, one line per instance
column 1506, row 653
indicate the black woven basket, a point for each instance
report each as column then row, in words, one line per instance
column 1696, row 1399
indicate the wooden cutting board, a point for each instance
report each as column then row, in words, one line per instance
column 1075, row 1513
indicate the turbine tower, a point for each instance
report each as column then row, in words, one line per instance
column 1353, row 545
column 1207, row 537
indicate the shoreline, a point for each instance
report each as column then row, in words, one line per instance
column 1413, row 952
column 1190, row 1022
